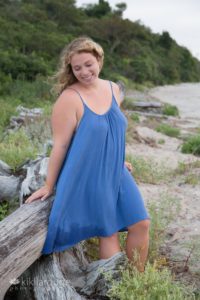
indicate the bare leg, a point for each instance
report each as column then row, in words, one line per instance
column 108, row 246
column 137, row 243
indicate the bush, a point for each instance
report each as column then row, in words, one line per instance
column 135, row 117
column 153, row 284
column 168, row 130
column 147, row 171
column 16, row 148
column 8, row 109
column 192, row 145
column 29, row 93
column 170, row 110
column 4, row 207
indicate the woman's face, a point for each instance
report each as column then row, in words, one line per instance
column 85, row 67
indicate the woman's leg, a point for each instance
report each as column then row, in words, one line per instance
column 108, row 246
column 137, row 243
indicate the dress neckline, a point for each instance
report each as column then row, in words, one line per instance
column 103, row 114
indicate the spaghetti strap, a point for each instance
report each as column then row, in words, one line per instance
column 78, row 94
column 111, row 87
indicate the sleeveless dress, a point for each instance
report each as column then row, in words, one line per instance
column 96, row 195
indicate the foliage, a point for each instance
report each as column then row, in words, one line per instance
column 161, row 213
column 150, row 285
column 135, row 117
column 170, row 110
column 148, row 171
column 168, row 130
column 7, row 110
column 16, row 148
column 192, row 145
column 4, row 210
column 33, row 34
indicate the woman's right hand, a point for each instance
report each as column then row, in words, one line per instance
column 43, row 193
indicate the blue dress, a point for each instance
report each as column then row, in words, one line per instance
column 96, row 195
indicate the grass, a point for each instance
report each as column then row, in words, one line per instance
column 157, row 282
column 161, row 141
column 4, row 209
column 135, row 117
column 148, row 171
column 153, row 284
column 189, row 172
column 191, row 145
column 168, row 130
column 162, row 213
column 170, row 110
column 8, row 109
column 16, row 148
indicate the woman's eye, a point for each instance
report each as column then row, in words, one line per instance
column 88, row 65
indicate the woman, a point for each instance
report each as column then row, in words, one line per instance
column 95, row 193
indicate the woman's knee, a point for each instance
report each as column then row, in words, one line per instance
column 141, row 226
column 113, row 236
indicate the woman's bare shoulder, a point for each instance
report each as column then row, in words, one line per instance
column 67, row 100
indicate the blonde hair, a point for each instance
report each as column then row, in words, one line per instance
column 64, row 76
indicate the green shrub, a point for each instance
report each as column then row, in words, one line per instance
column 192, row 145
column 170, row 110
column 189, row 172
column 153, row 284
column 168, row 130
column 161, row 141
column 29, row 93
column 148, row 171
column 135, row 117
column 4, row 208
column 16, row 148
column 162, row 213
column 8, row 109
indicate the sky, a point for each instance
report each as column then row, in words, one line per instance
column 181, row 18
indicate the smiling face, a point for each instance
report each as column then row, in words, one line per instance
column 85, row 67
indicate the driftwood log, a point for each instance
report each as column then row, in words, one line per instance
column 22, row 235
column 9, row 184
column 65, row 275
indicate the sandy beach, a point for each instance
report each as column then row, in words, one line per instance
column 183, row 233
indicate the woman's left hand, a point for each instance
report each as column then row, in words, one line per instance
column 129, row 166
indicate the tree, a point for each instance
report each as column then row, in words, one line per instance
column 121, row 7
column 98, row 10
column 165, row 40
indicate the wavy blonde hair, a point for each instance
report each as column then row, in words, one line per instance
column 64, row 76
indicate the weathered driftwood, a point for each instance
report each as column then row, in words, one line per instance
column 68, row 276
column 45, row 280
column 35, row 175
column 147, row 106
column 99, row 274
column 22, row 236
column 5, row 169
column 142, row 104
column 9, row 184
column 148, row 114
column 9, row 187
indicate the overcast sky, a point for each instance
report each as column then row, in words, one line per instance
column 181, row 18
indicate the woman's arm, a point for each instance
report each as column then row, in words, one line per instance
column 63, row 122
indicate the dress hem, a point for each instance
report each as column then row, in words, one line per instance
column 123, row 229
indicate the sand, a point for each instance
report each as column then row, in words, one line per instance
column 183, row 233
